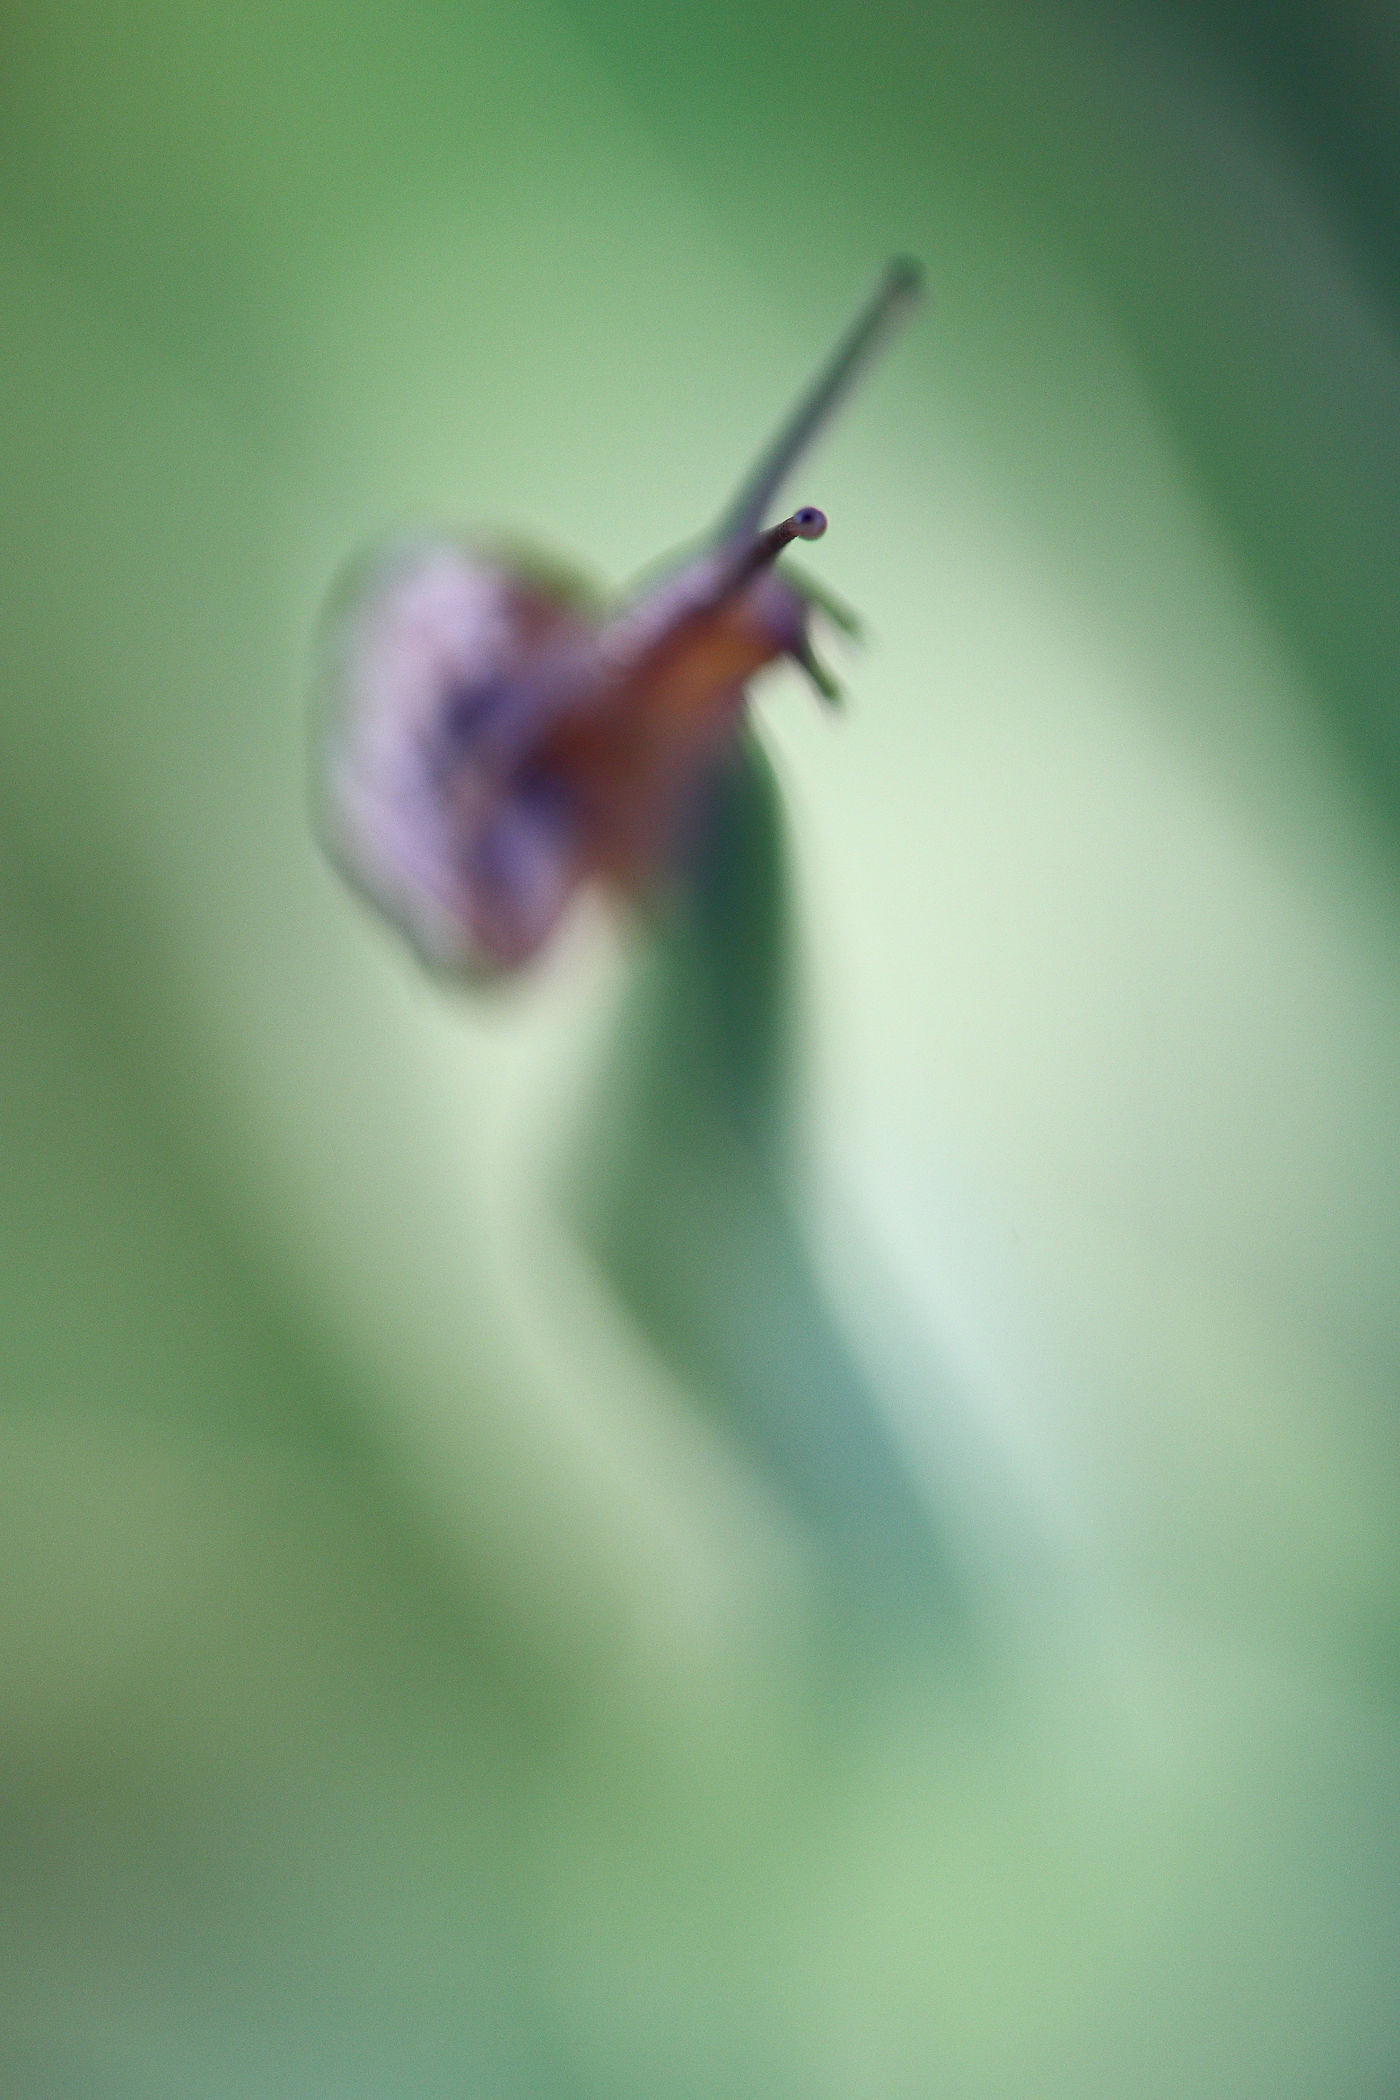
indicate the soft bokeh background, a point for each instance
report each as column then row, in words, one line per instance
column 805, row 1504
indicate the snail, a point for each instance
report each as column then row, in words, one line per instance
column 492, row 741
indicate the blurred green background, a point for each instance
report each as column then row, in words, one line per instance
column 804, row 1503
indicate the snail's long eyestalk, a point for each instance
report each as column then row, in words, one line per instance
column 658, row 625
column 805, row 524
column 895, row 294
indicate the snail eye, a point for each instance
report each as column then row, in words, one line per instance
column 809, row 523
